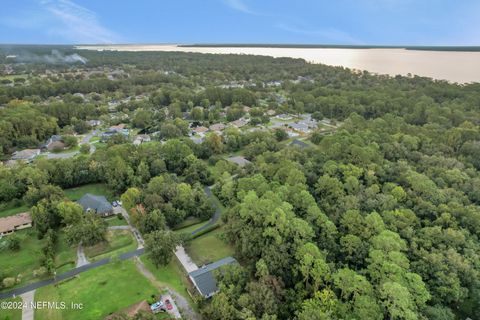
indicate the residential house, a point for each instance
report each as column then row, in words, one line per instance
column 26, row 154
column 203, row 278
column 299, row 144
column 240, row 122
column 141, row 138
column 94, row 123
column 218, row 127
column 200, row 130
column 97, row 204
column 241, row 161
column 11, row 224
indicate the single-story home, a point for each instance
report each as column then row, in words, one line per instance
column 11, row 224
column 200, row 130
column 299, row 143
column 217, row 127
column 97, row 204
column 203, row 278
column 94, row 123
column 239, row 123
column 141, row 138
column 241, row 161
column 26, row 154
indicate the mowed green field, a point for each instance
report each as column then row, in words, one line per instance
column 171, row 276
column 101, row 291
column 208, row 248
column 10, row 314
column 10, row 211
column 118, row 242
column 24, row 261
column 98, row 189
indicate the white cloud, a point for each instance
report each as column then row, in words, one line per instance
column 238, row 5
column 76, row 23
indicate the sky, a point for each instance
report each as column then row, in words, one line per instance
column 353, row 22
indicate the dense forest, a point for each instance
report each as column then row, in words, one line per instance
column 379, row 219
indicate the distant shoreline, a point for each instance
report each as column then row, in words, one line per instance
column 333, row 46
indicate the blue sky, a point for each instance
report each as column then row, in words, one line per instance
column 381, row 22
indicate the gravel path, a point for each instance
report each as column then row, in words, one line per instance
column 182, row 303
column 28, row 298
column 81, row 257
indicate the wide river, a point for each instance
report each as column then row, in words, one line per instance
column 453, row 66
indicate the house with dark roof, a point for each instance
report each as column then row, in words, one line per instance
column 299, row 143
column 97, row 204
column 239, row 160
column 203, row 278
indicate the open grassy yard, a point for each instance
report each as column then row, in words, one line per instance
column 190, row 228
column 11, row 210
column 118, row 242
column 115, row 221
column 208, row 248
column 102, row 291
column 25, row 260
column 11, row 314
column 98, row 189
column 171, row 276
column 65, row 255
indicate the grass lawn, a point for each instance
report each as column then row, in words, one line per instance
column 115, row 221
column 118, row 242
column 66, row 255
column 25, row 260
column 170, row 276
column 98, row 189
column 102, row 291
column 11, row 314
column 208, row 248
column 67, row 150
column 11, row 210
column 190, row 228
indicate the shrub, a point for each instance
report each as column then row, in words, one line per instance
column 8, row 282
column 13, row 242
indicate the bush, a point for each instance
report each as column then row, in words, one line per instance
column 85, row 148
column 13, row 242
column 40, row 272
column 8, row 282
column 205, row 231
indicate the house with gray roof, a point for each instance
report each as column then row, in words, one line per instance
column 97, row 204
column 299, row 143
column 241, row 161
column 203, row 278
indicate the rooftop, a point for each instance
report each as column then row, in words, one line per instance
column 203, row 277
column 98, row 203
column 11, row 222
column 241, row 161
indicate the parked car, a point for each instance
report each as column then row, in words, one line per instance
column 114, row 203
column 157, row 307
column 119, row 203
column 168, row 304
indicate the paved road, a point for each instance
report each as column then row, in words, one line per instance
column 216, row 215
column 68, row 274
